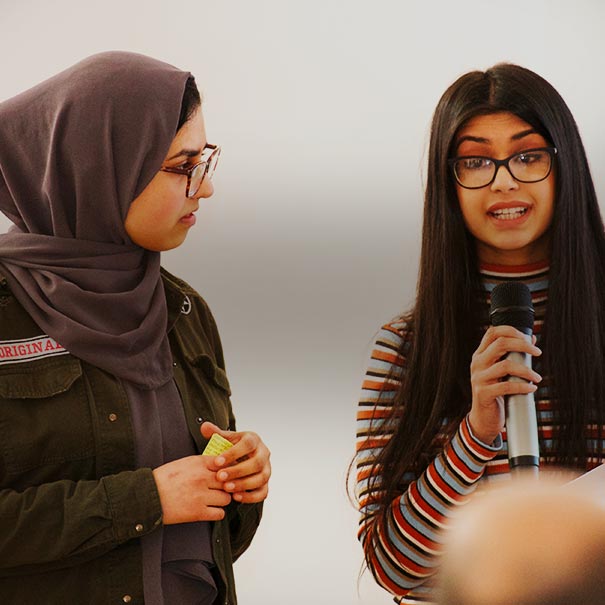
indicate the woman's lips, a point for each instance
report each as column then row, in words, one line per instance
column 188, row 219
column 510, row 213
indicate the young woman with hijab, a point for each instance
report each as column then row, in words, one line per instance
column 112, row 378
column 509, row 198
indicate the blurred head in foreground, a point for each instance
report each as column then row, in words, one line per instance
column 529, row 544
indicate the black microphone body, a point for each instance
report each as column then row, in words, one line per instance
column 512, row 306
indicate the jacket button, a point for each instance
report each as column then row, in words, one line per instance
column 199, row 420
column 174, row 364
column 127, row 598
column 138, row 527
column 112, row 417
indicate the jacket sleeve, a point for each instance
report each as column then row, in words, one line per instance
column 404, row 552
column 244, row 519
column 63, row 523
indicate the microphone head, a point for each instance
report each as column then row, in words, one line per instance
column 512, row 306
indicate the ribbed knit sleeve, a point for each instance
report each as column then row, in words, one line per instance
column 405, row 553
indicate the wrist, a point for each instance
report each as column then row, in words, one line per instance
column 486, row 435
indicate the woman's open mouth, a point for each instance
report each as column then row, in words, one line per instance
column 509, row 214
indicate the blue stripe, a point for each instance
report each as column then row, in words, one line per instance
column 386, row 568
column 459, row 448
column 410, row 518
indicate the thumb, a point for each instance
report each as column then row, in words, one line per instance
column 208, row 429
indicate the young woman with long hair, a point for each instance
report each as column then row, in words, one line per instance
column 509, row 197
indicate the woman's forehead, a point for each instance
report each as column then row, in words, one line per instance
column 191, row 136
column 494, row 123
column 496, row 128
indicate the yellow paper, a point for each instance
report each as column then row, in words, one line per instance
column 217, row 445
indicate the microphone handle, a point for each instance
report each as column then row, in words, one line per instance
column 522, row 425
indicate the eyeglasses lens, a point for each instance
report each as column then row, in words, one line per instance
column 203, row 170
column 474, row 172
column 528, row 167
column 212, row 162
column 197, row 176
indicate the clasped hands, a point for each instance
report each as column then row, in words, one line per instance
column 197, row 488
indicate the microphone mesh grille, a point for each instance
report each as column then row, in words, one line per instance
column 511, row 305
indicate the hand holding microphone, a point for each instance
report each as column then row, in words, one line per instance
column 501, row 376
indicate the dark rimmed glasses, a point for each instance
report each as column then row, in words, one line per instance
column 529, row 166
column 198, row 172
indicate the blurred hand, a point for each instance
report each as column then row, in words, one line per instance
column 189, row 490
column 488, row 371
column 245, row 467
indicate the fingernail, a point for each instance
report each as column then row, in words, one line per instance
column 219, row 461
column 223, row 475
column 237, row 497
column 230, row 486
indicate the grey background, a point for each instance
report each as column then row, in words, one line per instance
column 311, row 240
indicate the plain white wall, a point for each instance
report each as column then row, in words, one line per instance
column 311, row 240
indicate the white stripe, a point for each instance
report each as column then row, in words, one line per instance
column 29, row 349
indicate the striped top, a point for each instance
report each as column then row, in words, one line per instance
column 405, row 555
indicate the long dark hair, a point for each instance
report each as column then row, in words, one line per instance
column 445, row 323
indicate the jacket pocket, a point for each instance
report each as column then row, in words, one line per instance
column 209, row 398
column 215, row 374
column 45, row 419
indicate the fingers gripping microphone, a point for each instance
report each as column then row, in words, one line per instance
column 512, row 306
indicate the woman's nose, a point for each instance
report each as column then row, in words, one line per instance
column 206, row 189
column 504, row 180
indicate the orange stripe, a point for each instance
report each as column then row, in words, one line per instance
column 371, row 414
column 392, row 358
column 391, row 328
column 529, row 268
column 498, row 469
column 372, row 443
column 374, row 385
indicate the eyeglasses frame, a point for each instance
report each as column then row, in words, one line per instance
column 552, row 151
column 214, row 150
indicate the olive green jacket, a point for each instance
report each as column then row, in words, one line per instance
column 72, row 505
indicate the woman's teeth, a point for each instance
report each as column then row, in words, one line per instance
column 508, row 214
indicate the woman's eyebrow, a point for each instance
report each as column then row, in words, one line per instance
column 515, row 137
column 522, row 134
column 468, row 137
column 188, row 153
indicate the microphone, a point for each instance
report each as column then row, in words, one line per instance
column 512, row 306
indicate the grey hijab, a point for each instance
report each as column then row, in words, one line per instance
column 75, row 151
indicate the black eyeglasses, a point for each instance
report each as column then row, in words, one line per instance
column 529, row 166
column 198, row 172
